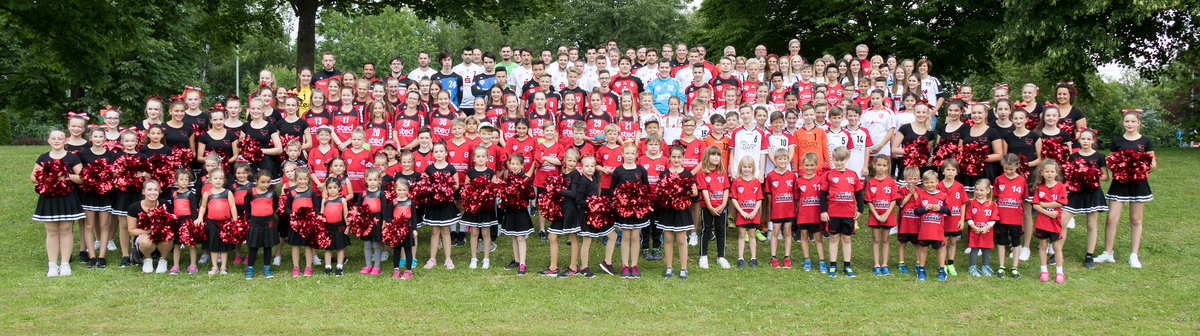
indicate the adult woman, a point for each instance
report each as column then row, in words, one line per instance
column 219, row 140
column 1137, row 194
column 772, row 65
column 57, row 212
column 930, row 86
column 918, row 130
column 263, row 132
column 1064, row 93
column 142, row 241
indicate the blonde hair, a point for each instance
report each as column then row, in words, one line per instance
column 928, row 175
column 746, row 161
column 983, row 184
column 912, row 172
column 841, row 153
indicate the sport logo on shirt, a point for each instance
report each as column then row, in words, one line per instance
column 803, row 188
column 741, row 190
column 835, row 179
column 872, row 189
column 708, row 179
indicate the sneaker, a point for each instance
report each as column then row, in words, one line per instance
column 1071, row 223
column 493, row 246
column 511, row 265
column 375, row 270
column 102, row 263
column 1105, row 257
column 203, row 258
column 364, row 271
column 942, row 274
column 474, row 263
column 548, row 272
column 277, row 260
column 124, row 262
column 237, row 260
column 1014, row 273
column 406, row 275
column 296, row 271
column 878, row 271
column 384, row 256
column 761, row 238
column 747, row 239
column 658, row 254
column 52, row 271
column 64, row 269
column 774, row 262
column 566, row 273
column 618, row 243
column 625, row 272
column 608, row 268
column 723, row 263
column 249, row 272
column 753, row 263
column 404, row 262
column 267, row 272
column 487, row 263
column 587, row 272
column 832, row 272
column 448, row 264
column 849, row 272
column 967, row 251
column 647, row 254
column 670, row 272
column 1049, row 249
column 920, row 273
column 337, row 272
column 903, row 268
column 974, row 271
column 1060, row 278
column 521, row 270
column 1044, row 277
column 396, row 273
column 886, row 271
column 1024, row 253
column 308, row 271
column 986, row 270
column 807, row 265
column 824, row 268
column 83, row 257
column 893, row 231
column 787, row 262
column 634, row 273
column 1133, row 261
column 95, row 245
column 741, row 263
column 316, row 261
column 1000, row 272
column 683, row 275
column 428, row 265
column 91, row 263
column 543, row 236
column 1089, row 262
column 950, row 270
column 162, row 266
column 693, row 240
column 1050, row 259
column 147, row 265
column 704, row 262
column 112, row 246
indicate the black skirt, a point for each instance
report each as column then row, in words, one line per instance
column 675, row 220
column 485, row 218
column 376, row 233
column 631, row 223
column 58, row 208
column 571, row 222
column 968, row 182
column 338, row 240
column 295, row 239
column 262, row 232
column 94, row 202
column 121, row 200
column 1086, row 202
column 516, row 223
column 1130, row 192
column 441, row 215
column 214, row 242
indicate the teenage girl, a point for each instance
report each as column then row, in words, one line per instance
column 97, row 207
column 882, row 193
column 1137, row 194
column 441, row 217
column 485, row 219
column 677, row 223
column 214, row 204
column 261, row 202
column 122, row 199
column 629, row 172
column 1090, row 203
column 1048, row 225
column 57, row 212
column 334, row 210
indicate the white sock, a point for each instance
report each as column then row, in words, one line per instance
column 1058, row 269
column 339, row 265
column 1044, row 269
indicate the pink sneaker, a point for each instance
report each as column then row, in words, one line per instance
column 365, row 270
column 407, row 275
column 1060, row 278
column 308, row 271
column 429, row 264
column 192, row 269
column 237, row 260
column 374, row 270
column 396, row 273
column 296, row 271
column 1044, row 277
column 449, row 264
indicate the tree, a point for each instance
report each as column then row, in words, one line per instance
column 1181, row 102
column 375, row 38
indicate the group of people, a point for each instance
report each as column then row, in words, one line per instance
column 783, row 148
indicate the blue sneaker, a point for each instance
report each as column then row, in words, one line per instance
column 249, row 272
column 402, row 261
column 974, row 271
column 942, row 274
column 848, row 271
column 878, row 271
column 832, row 272
column 886, row 272
column 920, row 273
column 267, row 272
column 807, row 265
column 987, row 271
column 903, row 269
column 824, row 267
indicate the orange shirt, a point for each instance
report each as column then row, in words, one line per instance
column 810, row 141
column 722, row 143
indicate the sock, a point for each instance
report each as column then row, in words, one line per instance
column 1044, row 269
column 772, row 257
column 328, row 266
column 950, row 262
column 787, row 257
column 339, row 266
column 1058, row 269
column 1089, row 256
column 846, row 264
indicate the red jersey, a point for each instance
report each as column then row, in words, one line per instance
column 546, row 150
column 629, row 127
column 834, row 95
column 565, row 120
column 439, row 123
column 422, row 159
column 496, row 157
column 956, row 196
column 406, row 126
column 692, row 150
column 356, row 167
column 931, row 221
column 585, row 149
column 879, row 195
column 537, row 120
column 980, row 214
column 720, row 85
column 808, row 191
column 1009, row 195
column 804, row 91
column 609, row 158
column 782, row 188
column 316, row 118
column 609, row 102
column 377, row 133
column 863, row 102
column 716, row 184
column 749, row 91
column 344, row 123
column 621, row 83
column 692, row 91
column 524, row 147
column 841, row 186
column 910, row 223
column 508, row 127
column 597, row 123
column 459, row 155
column 318, row 159
column 746, row 194
column 654, row 167
column 493, row 113
column 1047, row 194
column 777, row 100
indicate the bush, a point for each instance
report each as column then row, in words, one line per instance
column 5, row 129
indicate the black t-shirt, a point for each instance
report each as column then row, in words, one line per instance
column 202, row 120
column 87, row 156
column 261, row 135
column 71, row 160
column 223, row 145
column 1003, row 130
column 296, row 128
column 146, row 151
column 323, row 74
column 621, row 175
column 909, row 134
column 1096, row 159
column 136, row 209
column 1063, row 137
column 952, row 135
column 1070, row 117
column 472, row 174
column 1023, row 145
column 986, row 138
column 177, row 137
column 1141, row 144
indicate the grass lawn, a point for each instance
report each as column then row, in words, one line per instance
column 1113, row 298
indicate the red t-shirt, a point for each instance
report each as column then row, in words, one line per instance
column 956, row 196
column 597, row 123
column 1009, row 195
column 551, row 150
column 692, row 152
column 980, row 214
column 842, row 185
column 356, row 167
column 749, row 91
column 931, row 221
column 421, row 160
column 459, row 155
column 654, row 167
column 1046, row 194
column 910, row 223
column 524, row 147
column 609, row 158
column 317, row 161
column 808, row 190
column 782, row 188
column 716, row 184
column 746, row 194
column 805, row 91
column 880, row 194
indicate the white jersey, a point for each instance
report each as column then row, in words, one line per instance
column 903, row 118
column 417, row 73
column 519, row 77
column 685, row 76
column 588, row 81
column 931, row 88
column 747, row 143
column 646, row 73
column 858, row 155
column 558, row 78
column 839, row 138
column 672, row 128
column 783, row 140
column 468, row 72
column 878, row 123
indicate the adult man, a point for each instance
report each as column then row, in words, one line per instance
column 558, row 72
column 686, row 76
column 321, row 78
column 712, row 68
column 613, row 55
column 861, row 51
column 467, row 71
column 397, row 66
column 624, row 80
column 506, row 55
column 368, row 72
column 730, row 51
column 573, row 54
column 650, row 71
column 587, row 79
column 641, row 57
column 546, row 56
column 485, row 80
column 724, row 81
column 664, row 87
column 667, row 51
column 611, row 44
column 590, row 67
column 524, row 73
column 423, row 71
column 537, row 69
column 693, row 89
column 760, row 52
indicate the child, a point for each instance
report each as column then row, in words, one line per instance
column 522, row 143
column 862, row 140
column 717, row 138
column 629, row 172
column 185, row 204
column 693, row 150
column 713, row 182
column 748, row 195
column 358, row 159
column 261, row 202
column 289, row 176
column 655, row 163
column 571, row 220
column 881, row 192
column 837, row 136
column 676, row 223
column 334, row 211
column 1048, row 226
column 371, row 200
column 931, row 206
column 808, row 213
column 584, row 184
column 810, row 138
column 214, row 205
column 910, row 224
column 516, row 223
column 776, row 139
column 123, row 199
column 458, row 153
column 301, row 196
column 1089, row 203
column 241, row 186
column 547, row 154
column 781, row 184
column 841, row 211
column 321, row 154
column 1010, row 192
column 408, row 173
column 748, row 141
column 485, row 219
column 97, row 208
column 403, row 207
column 956, row 197
column 981, row 215
column 441, row 217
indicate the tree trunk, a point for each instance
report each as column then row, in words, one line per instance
column 306, row 39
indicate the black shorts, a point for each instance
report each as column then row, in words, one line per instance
column 953, row 234
column 907, row 237
column 1007, row 235
column 840, row 225
column 810, row 227
column 1043, row 234
column 791, row 220
column 935, row 244
column 537, row 191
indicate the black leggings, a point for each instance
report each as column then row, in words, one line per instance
column 652, row 236
column 713, row 224
column 408, row 257
column 250, row 258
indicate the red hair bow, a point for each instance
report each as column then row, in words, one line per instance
column 1049, row 104
column 217, row 106
column 194, row 88
column 985, row 104
column 123, row 129
column 1138, row 111
column 1093, row 130
column 293, row 93
column 1070, row 84
column 956, row 97
column 154, row 98
column 83, row 116
column 178, row 97
column 92, row 126
column 1000, row 86
column 232, row 97
column 1020, row 104
column 262, row 83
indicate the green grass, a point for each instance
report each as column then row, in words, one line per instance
column 1113, row 298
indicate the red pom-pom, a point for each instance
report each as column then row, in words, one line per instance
column 633, row 200
column 1129, row 166
column 113, row 146
column 1081, row 175
column 197, row 130
column 599, row 212
column 192, row 234
column 434, row 190
column 389, row 191
column 916, row 153
column 945, row 149
column 478, row 195
column 249, row 150
column 969, row 122
column 359, row 221
column 158, row 222
column 307, row 223
column 160, row 168
column 234, row 232
column 1023, row 168
column 281, row 210
column 674, row 192
column 1067, row 128
column 1032, row 122
column 550, row 202
column 50, row 179
column 396, row 232
column 127, row 171
column 971, row 158
column 1054, row 149
column 514, row 192
column 283, row 140
column 97, row 177
column 182, row 156
column 321, row 241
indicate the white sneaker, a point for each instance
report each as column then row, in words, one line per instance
column 1105, row 257
column 893, row 231
column 384, row 256
column 692, row 239
column 724, row 263
column 111, row 245
column 1024, row 253
column 52, row 271
column 64, row 269
column 316, row 261
column 1071, row 222
column 967, row 251
column 704, row 262
column 474, row 263
column 1133, row 261
column 147, row 265
column 95, row 245
column 1049, row 249
column 487, row 263
column 162, row 266
column 276, row 261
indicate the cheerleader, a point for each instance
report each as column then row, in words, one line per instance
column 1048, row 226
column 485, row 219
column 218, row 139
column 931, row 207
column 233, row 114
column 909, row 225
column 408, row 173
column 334, row 211
column 1024, row 143
column 1003, row 113
column 1048, row 129
column 980, row 132
column 242, row 175
column 1092, row 203
column 608, row 157
column 570, row 223
column 122, row 199
column 261, row 202
column 1137, row 194
column 882, row 193
column 213, row 206
column 178, row 134
column 145, row 246
column 193, row 116
column 265, row 133
column 956, row 197
column 97, row 208
column 402, row 207
column 371, row 200
column 515, row 223
column 292, row 126
column 677, row 223
column 631, row 227
column 919, row 131
column 952, row 130
column 112, row 129
column 153, row 114
column 981, row 215
column 185, row 204
column 57, row 212
column 301, row 196
column 584, row 184
column 153, row 143
column 441, row 217
column 77, row 142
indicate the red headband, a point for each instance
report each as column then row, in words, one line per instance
column 83, row 116
column 1138, row 111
